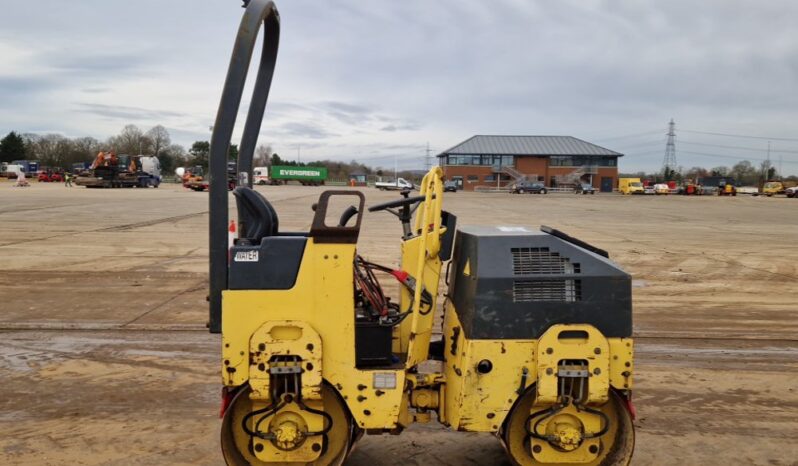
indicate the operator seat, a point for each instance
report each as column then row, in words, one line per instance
column 257, row 218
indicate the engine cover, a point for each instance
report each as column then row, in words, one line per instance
column 515, row 283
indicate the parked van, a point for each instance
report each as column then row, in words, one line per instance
column 399, row 183
column 630, row 186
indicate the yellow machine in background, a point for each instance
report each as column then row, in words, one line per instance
column 534, row 347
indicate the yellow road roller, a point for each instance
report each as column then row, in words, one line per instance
column 534, row 346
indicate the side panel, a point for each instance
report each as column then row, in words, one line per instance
column 480, row 402
column 323, row 298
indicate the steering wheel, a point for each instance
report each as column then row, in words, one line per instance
column 405, row 201
column 403, row 208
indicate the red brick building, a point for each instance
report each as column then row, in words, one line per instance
column 556, row 161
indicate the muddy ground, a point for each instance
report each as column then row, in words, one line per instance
column 104, row 356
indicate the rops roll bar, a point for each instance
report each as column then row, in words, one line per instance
column 257, row 13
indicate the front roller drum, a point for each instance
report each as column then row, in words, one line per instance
column 335, row 445
column 615, row 446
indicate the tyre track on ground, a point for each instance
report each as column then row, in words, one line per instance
column 127, row 227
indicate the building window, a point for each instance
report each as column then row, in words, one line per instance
column 484, row 160
column 473, row 178
column 582, row 160
column 490, row 178
column 561, row 161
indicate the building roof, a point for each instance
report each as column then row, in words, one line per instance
column 527, row 145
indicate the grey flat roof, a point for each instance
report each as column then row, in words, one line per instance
column 527, row 145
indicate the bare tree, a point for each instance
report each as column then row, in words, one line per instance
column 262, row 155
column 695, row 172
column 159, row 137
column 83, row 150
column 130, row 141
column 720, row 171
column 49, row 149
column 744, row 172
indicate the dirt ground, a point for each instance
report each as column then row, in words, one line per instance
column 104, row 356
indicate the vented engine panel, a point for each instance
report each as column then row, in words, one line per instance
column 514, row 283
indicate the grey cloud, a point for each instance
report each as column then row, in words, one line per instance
column 22, row 91
column 350, row 118
column 126, row 113
column 10, row 86
column 304, row 130
column 347, row 107
column 405, row 126
column 280, row 107
column 347, row 113
column 360, row 118
column 97, row 64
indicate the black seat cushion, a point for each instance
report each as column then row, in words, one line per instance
column 256, row 216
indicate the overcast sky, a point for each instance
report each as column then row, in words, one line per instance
column 377, row 80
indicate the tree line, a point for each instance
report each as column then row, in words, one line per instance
column 56, row 151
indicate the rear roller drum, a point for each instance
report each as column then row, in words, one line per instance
column 336, row 444
column 616, row 445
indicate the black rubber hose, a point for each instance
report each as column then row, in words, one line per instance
column 267, row 411
column 549, row 412
column 602, row 415
column 327, row 417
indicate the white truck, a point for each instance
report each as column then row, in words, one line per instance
column 397, row 184
column 12, row 171
column 260, row 175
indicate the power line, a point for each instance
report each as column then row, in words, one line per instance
column 391, row 156
column 627, row 136
column 647, row 143
column 733, row 157
column 646, row 154
column 738, row 147
column 739, row 135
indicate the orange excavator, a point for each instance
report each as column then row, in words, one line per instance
column 105, row 159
